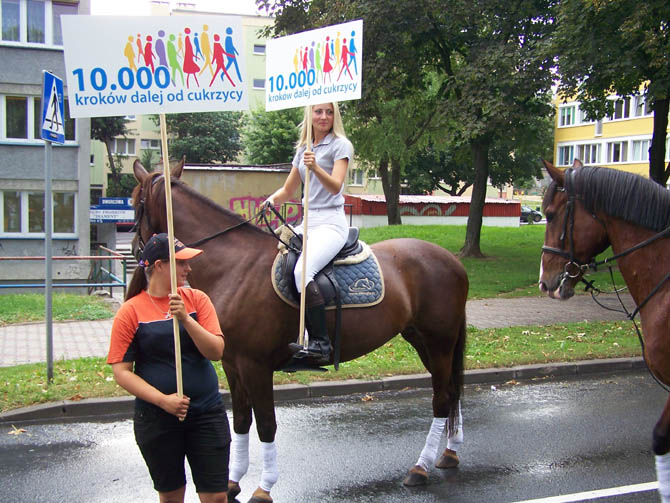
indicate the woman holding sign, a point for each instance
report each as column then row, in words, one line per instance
column 169, row 428
column 328, row 161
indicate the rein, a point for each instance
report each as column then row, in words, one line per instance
column 582, row 267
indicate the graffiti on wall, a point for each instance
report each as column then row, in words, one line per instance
column 248, row 206
column 427, row 210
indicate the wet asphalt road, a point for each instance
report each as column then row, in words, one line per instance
column 522, row 441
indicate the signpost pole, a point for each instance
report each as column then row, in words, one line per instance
column 305, row 215
column 48, row 253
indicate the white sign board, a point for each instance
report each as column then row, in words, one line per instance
column 315, row 66
column 151, row 65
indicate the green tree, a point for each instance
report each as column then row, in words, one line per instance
column 270, row 137
column 489, row 60
column 147, row 159
column 119, row 184
column 205, row 137
column 105, row 129
column 617, row 47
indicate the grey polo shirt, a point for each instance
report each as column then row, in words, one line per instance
column 331, row 149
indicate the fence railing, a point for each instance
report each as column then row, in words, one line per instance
column 101, row 274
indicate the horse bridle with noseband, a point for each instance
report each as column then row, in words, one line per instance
column 573, row 268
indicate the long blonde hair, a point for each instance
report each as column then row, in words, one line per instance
column 337, row 130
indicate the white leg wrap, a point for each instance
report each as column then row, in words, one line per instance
column 429, row 453
column 239, row 456
column 454, row 442
column 663, row 475
column 270, row 472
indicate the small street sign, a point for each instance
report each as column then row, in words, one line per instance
column 53, row 116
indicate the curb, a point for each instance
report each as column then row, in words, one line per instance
column 122, row 407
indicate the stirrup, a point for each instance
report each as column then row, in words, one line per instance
column 299, row 352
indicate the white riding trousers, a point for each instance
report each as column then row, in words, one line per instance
column 326, row 235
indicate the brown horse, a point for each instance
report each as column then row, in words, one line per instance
column 589, row 209
column 426, row 289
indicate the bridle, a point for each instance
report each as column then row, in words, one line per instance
column 574, row 267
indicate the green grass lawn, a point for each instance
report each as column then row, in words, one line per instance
column 510, row 269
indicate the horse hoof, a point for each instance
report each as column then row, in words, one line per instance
column 449, row 459
column 260, row 496
column 233, row 490
column 417, row 476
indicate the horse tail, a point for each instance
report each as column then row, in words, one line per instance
column 457, row 377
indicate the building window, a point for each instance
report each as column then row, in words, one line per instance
column 259, row 84
column 23, row 118
column 123, row 146
column 583, row 118
column 567, row 116
column 147, row 144
column 259, row 49
column 58, row 10
column 23, row 212
column 10, row 20
column 621, row 109
column 16, row 109
column 34, row 21
column 599, row 128
column 617, row 151
column 642, row 107
column 589, row 153
column 640, row 150
column 566, row 155
column 355, row 177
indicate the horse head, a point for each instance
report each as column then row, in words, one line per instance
column 149, row 203
column 573, row 237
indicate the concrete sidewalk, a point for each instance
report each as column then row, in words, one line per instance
column 26, row 343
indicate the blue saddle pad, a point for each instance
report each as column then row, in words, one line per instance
column 361, row 284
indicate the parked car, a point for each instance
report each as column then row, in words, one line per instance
column 530, row 215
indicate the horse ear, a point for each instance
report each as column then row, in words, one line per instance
column 577, row 164
column 556, row 174
column 178, row 169
column 140, row 173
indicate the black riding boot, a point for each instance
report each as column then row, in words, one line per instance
column 318, row 347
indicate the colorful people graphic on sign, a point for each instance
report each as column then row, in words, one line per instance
column 129, row 53
column 352, row 52
column 218, row 59
column 159, row 49
column 149, row 54
column 173, row 60
column 232, row 53
column 196, row 44
column 206, row 51
column 140, row 51
column 190, row 66
column 327, row 66
column 344, row 60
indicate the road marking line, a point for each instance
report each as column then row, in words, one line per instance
column 601, row 493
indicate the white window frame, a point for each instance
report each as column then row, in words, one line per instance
column 24, row 232
column 257, row 84
column 356, row 177
column 626, row 106
column 640, row 104
column 589, row 153
column 31, row 139
column 567, row 112
column 126, row 152
column 23, row 25
column 149, row 142
column 623, row 153
column 258, row 51
column 642, row 150
column 562, row 152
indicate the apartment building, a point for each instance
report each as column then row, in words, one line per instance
column 31, row 41
column 620, row 141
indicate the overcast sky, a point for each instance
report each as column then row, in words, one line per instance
column 141, row 7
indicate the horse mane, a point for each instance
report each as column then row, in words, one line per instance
column 195, row 195
column 627, row 196
column 217, row 207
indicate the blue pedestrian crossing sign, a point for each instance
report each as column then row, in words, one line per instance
column 53, row 123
